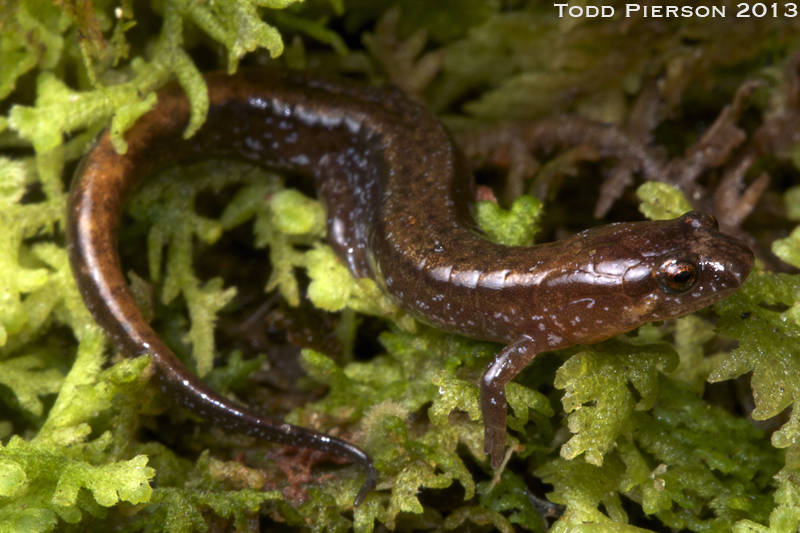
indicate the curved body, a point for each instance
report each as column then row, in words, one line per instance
column 398, row 195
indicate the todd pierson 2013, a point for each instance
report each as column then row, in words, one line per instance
column 757, row 10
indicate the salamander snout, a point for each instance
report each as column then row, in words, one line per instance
column 726, row 264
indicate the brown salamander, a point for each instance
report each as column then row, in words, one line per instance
column 398, row 194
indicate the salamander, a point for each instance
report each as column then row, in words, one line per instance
column 398, row 194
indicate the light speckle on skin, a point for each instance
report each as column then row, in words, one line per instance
column 253, row 144
column 353, row 124
column 258, row 103
column 278, row 107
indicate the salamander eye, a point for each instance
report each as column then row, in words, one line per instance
column 677, row 276
column 699, row 219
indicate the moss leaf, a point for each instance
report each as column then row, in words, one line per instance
column 454, row 394
column 28, row 378
column 788, row 248
column 515, row 227
column 661, row 201
column 512, row 495
column 124, row 480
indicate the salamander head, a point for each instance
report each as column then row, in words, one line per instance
column 642, row 272
column 689, row 266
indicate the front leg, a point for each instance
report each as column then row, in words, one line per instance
column 505, row 366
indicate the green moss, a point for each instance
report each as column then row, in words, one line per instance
column 515, row 227
column 691, row 465
column 661, row 201
column 184, row 510
column 767, row 348
column 630, row 429
column 598, row 393
column 43, row 478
